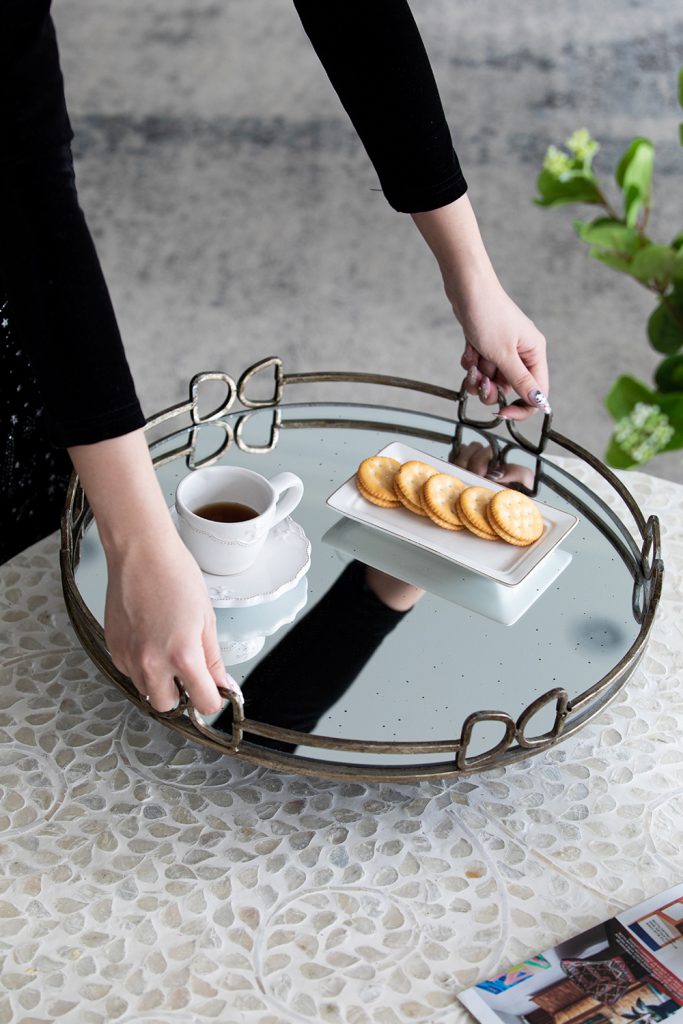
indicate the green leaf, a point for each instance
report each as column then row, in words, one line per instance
column 607, row 233
column 638, row 150
column 573, row 188
column 669, row 374
column 654, row 263
column 624, row 394
column 634, row 176
column 677, row 242
column 663, row 329
column 672, row 404
column 610, row 260
column 617, row 457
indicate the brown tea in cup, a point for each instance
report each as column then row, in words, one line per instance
column 226, row 512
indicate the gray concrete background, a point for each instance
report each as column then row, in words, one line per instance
column 234, row 211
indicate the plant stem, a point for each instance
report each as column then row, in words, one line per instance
column 608, row 206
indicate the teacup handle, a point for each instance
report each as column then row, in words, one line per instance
column 289, row 490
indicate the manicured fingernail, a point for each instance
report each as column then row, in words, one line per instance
column 536, row 397
column 484, row 388
column 472, row 376
column 494, row 474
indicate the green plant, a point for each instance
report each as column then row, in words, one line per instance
column 648, row 420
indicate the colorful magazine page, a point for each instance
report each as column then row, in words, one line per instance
column 628, row 970
column 652, row 933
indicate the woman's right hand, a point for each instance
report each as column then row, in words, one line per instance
column 159, row 623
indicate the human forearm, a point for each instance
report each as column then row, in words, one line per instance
column 504, row 347
column 159, row 624
column 453, row 235
column 119, row 480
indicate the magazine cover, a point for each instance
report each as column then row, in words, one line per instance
column 628, row 969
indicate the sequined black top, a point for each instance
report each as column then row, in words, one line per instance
column 60, row 307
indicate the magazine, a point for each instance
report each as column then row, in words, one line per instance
column 628, row 969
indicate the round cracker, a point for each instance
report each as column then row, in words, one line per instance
column 480, row 533
column 409, row 481
column 380, row 502
column 442, row 522
column 376, row 476
column 440, row 496
column 411, row 506
column 472, row 503
column 508, row 539
column 515, row 517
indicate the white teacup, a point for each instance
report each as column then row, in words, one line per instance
column 226, row 548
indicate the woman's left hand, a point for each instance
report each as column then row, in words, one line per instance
column 504, row 349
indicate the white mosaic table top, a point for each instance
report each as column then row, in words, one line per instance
column 147, row 881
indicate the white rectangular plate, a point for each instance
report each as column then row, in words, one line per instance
column 504, row 563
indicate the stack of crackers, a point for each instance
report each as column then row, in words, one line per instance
column 445, row 499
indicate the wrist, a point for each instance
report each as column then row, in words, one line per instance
column 465, row 288
column 453, row 235
column 148, row 531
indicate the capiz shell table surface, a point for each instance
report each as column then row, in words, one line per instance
column 449, row 691
column 148, row 880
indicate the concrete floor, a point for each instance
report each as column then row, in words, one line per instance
column 235, row 211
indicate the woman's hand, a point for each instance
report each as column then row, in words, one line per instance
column 159, row 623
column 479, row 459
column 503, row 347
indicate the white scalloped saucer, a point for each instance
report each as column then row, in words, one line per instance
column 284, row 559
column 242, row 632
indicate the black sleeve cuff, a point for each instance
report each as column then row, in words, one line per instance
column 421, row 200
column 66, row 433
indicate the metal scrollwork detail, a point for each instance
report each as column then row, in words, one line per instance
column 479, row 424
column 275, row 425
column 220, row 410
column 463, row 763
column 513, row 730
column 651, row 547
column 639, row 598
column 561, row 698
column 176, row 712
column 230, row 743
column 523, row 442
column 262, row 403
column 208, row 460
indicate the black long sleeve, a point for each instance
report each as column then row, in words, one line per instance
column 59, row 304
column 58, row 299
column 317, row 661
column 374, row 56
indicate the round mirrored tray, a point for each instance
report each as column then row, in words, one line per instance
column 477, row 673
